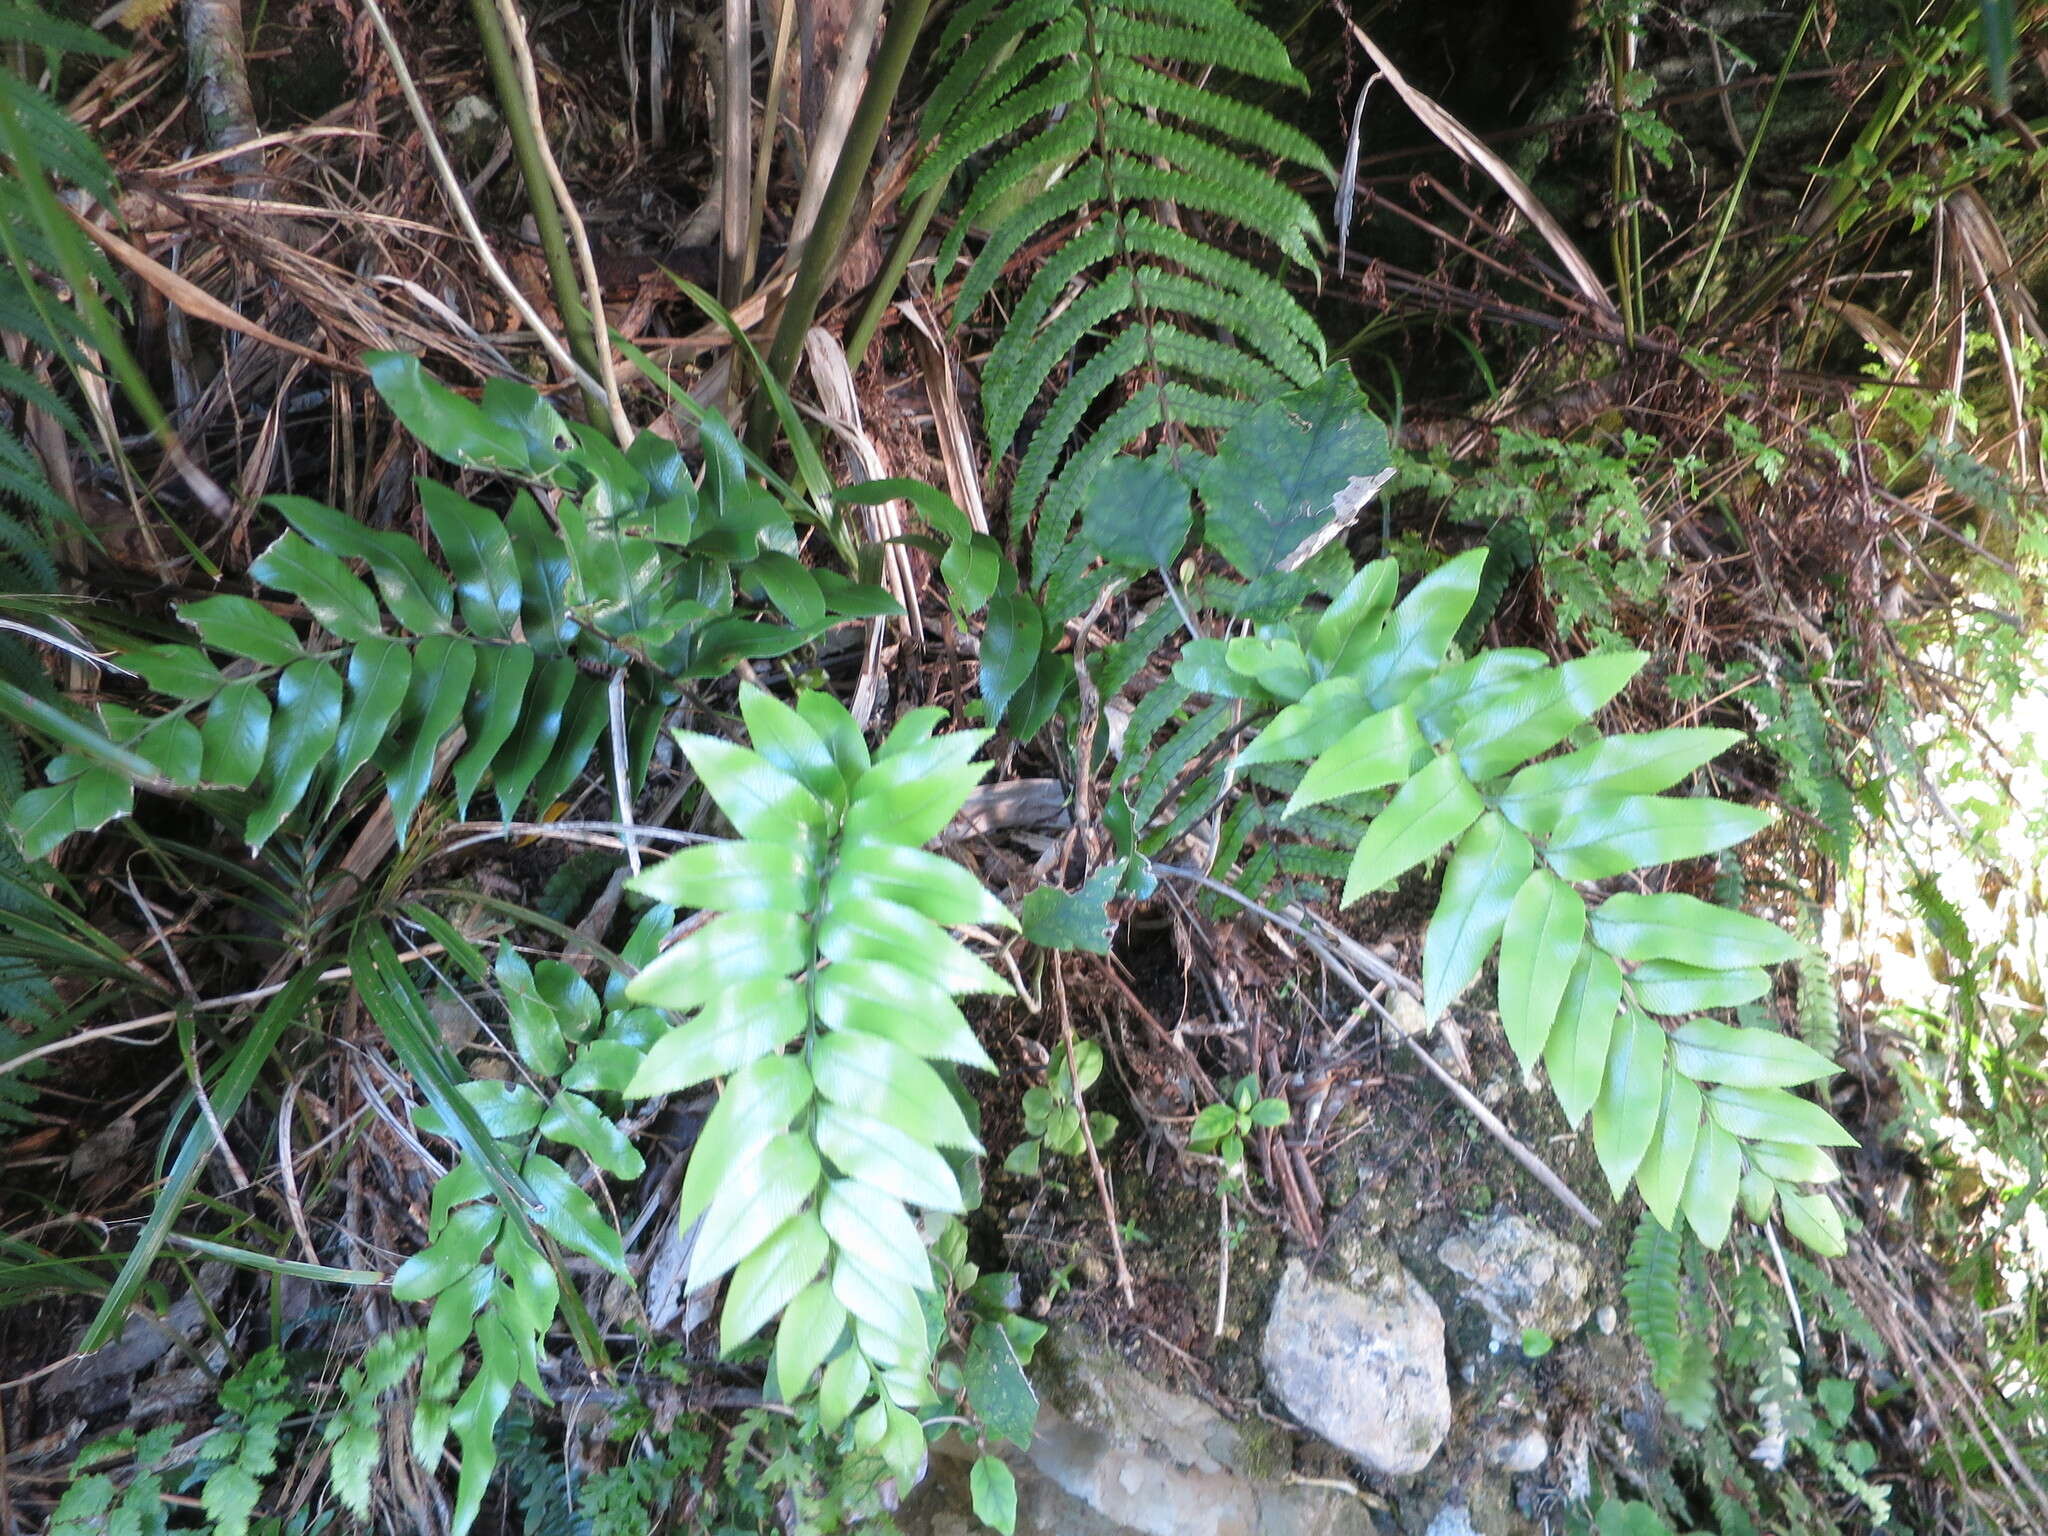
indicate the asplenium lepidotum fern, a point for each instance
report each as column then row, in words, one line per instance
column 1378, row 747
column 1681, row 1357
column 1097, row 116
column 822, row 993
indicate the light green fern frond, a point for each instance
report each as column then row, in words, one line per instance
column 1086, row 123
column 822, row 993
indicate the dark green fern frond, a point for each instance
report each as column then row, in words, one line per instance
column 1085, row 122
column 1681, row 1365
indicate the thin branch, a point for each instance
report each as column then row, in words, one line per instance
column 1537, row 1168
column 1102, row 1190
column 458, row 203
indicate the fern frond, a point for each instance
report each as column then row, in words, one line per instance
column 1121, row 127
column 1681, row 1365
column 1149, row 408
column 831, row 933
column 1023, row 361
column 1162, row 766
column 1149, row 353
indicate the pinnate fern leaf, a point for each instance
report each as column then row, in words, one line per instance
column 1681, row 1364
column 1086, row 121
column 1362, row 705
column 498, row 671
column 822, row 992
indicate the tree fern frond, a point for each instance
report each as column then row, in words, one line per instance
column 1057, row 146
column 1165, row 764
column 1228, row 312
column 1256, row 197
column 1126, row 352
column 1073, row 584
column 28, row 547
column 22, row 477
column 1211, row 32
column 1225, row 116
column 1158, row 351
column 1030, row 364
column 1262, row 295
column 1033, row 360
column 1063, row 37
column 1096, row 242
column 995, row 120
column 1116, row 664
column 985, row 28
column 19, row 381
column 1070, row 194
column 1209, row 195
column 1167, row 320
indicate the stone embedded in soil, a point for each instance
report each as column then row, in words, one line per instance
column 1522, row 1276
column 1519, row 1451
column 1115, row 1453
column 1360, row 1360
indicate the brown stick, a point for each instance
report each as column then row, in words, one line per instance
column 1116, row 1239
column 1539, row 1170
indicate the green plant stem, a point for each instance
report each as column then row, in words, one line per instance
column 821, row 252
column 1756, row 140
column 540, row 199
column 901, row 249
column 56, row 225
column 1625, row 241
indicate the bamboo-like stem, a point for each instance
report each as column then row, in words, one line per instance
column 540, row 200
column 458, row 204
column 821, row 251
column 735, row 175
column 764, row 150
column 901, row 249
column 593, row 290
column 828, row 136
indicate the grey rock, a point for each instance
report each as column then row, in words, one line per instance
column 1118, row 1454
column 1522, row 1451
column 1453, row 1520
column 1407, row 1014
column 1360, row 1360
column 1522, row 1276
column 470, row 127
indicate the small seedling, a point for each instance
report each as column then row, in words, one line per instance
column 1222, row 1128
column 1052, row 1113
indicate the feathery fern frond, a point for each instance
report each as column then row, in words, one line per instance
column 1087, row 125
column 1681, row 1364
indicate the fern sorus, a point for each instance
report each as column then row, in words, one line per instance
column 822, row 993
column 1087, row 126
column 1695, row 1116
